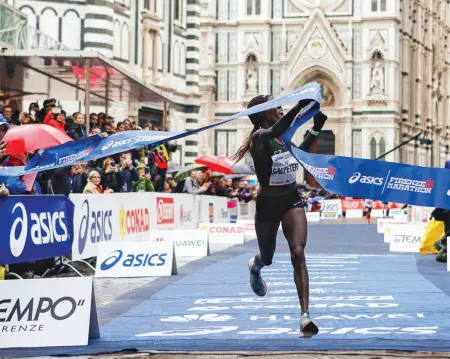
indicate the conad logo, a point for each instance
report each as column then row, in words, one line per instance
column 226, row 230
column 132, row 221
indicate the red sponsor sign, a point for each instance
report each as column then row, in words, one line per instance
column 352, row 204
column 165, row 208
column 380, row 205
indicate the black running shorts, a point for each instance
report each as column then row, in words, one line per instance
column 273, row 208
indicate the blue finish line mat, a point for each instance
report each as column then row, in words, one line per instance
column 366, row 298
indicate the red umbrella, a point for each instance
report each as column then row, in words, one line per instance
column 220, row 164
column 29, row 138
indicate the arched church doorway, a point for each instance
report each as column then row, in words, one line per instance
column 331, row 98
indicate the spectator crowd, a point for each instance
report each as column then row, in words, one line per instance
column 140, row 170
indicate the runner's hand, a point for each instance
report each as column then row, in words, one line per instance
column 319, row 121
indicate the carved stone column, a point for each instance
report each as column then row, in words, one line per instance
column 151, row 24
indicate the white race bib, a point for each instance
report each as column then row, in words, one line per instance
column 284, row 169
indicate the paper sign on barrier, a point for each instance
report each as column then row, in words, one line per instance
column 406, row 238
column 383, row 223
column 188, row 243
column 47, row 312
column 224, row 232
column 249, row 227
column 136, row 259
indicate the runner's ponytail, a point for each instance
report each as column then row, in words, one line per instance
column 245, row 147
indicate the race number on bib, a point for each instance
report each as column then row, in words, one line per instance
column 284, row 169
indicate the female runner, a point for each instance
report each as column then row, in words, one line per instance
column 278, row 199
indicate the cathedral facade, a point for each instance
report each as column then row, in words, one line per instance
column 383, row 67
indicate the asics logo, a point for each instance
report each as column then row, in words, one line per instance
column 355, row 177
column 358, row 177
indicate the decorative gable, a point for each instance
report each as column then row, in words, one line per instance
column 319, row 44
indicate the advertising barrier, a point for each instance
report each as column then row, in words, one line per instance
column 247, row 210
column 134, row 216
column 421, row 214
column 186, row 209
column 224, row 233
column 233, row 205
column 164, row 205
column 353, row 208
column 136, row 259
column 96, row 220
column 406, row 238
column 47, row 313
column 35, row 227
column 188, row 243
column 331, row 209
column 313, row 216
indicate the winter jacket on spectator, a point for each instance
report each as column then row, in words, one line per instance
column 92, row 189
column 112, row 180
column 79, row 181
column 75, row 131
column 52, row 122
column 128, row 177
column 143, row 185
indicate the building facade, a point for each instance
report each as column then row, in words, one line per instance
column 156, row 40
column 383, row 66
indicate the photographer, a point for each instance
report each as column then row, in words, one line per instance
column 112, row 177
column 27, row 118
column 129, row 173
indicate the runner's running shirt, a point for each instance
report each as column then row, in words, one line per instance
column 275, row 166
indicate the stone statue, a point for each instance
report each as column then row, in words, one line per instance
column 252, row 82
column 377, row 82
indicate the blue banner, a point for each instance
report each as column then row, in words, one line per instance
column 94, row 147
column 35, row 227
column 371, row 179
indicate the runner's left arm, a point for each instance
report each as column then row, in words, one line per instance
column 319, row 122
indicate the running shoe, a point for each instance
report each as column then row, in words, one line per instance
column 257, row 284
column 307, row 327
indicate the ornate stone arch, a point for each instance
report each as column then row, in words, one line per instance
column 331, row 85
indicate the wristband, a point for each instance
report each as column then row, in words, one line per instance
column 314, row 133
